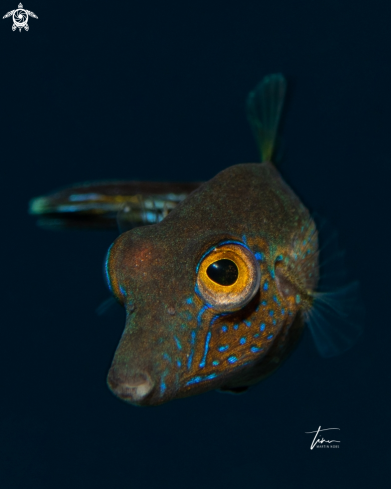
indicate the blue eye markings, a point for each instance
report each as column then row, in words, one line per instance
column 228, row 241
column 262, row 327
column 224, row 329
column 266, row 285
column 243, row 340
column 259, row 256
column 255, row 349
column 232, row 359
column 223, row 347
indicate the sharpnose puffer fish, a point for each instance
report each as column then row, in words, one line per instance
column 218, row 290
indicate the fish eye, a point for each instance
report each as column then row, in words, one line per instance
column 223, row 272
column 228, row 276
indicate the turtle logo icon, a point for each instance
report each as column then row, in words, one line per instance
column 20, row 17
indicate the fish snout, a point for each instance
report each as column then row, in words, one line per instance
column 131, row 387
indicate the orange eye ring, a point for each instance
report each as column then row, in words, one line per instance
column 235, row 296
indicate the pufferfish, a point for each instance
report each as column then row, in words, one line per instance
column 218, row 292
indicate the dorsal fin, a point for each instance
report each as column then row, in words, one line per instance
column 264, row 107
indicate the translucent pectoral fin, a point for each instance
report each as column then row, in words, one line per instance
column 336, row 320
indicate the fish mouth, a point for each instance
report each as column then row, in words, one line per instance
column 134, row 388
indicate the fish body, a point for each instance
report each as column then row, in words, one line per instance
column 218, row 279
column 175, row 343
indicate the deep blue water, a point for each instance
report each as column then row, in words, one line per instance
column 155, row 91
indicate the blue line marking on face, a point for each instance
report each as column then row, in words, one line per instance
column 122, row 290
column 179, row 363
column 274, row 321
column 215, row 362
column 272, row 273
column 255, row 349
column 107, row 268
column 266, row 285
column 223, row 347
column 192, row 341
column 208, row 336
column 259, row 256
column 194, row 380
column 188, row 315
column 199, row 317
column 247, row 323
column 243, row 340
column 201, row 378
column 244, row 239
column 282, row 311
column 271, row 312
column 189, row 300
column 279, row 258
column 236, row 326
column 232, row 359
column 256, row 335
column 264, row 303
column 178, row 343
column 262, row 327
column 162, row 383
column 270, row 336
column 224, row 329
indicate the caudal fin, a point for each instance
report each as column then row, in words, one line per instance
column 264, row 107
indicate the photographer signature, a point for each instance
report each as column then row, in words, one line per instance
column 321, row 440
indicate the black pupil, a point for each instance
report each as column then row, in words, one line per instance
column 223, row 272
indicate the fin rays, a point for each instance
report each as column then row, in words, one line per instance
column 264, row 107
column 336, row 320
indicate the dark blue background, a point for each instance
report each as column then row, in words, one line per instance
column 155, row 90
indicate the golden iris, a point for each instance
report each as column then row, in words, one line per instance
column 228, row 277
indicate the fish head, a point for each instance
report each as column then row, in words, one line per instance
column 205, row 299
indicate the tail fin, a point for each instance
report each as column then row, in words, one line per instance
column 264, row 107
